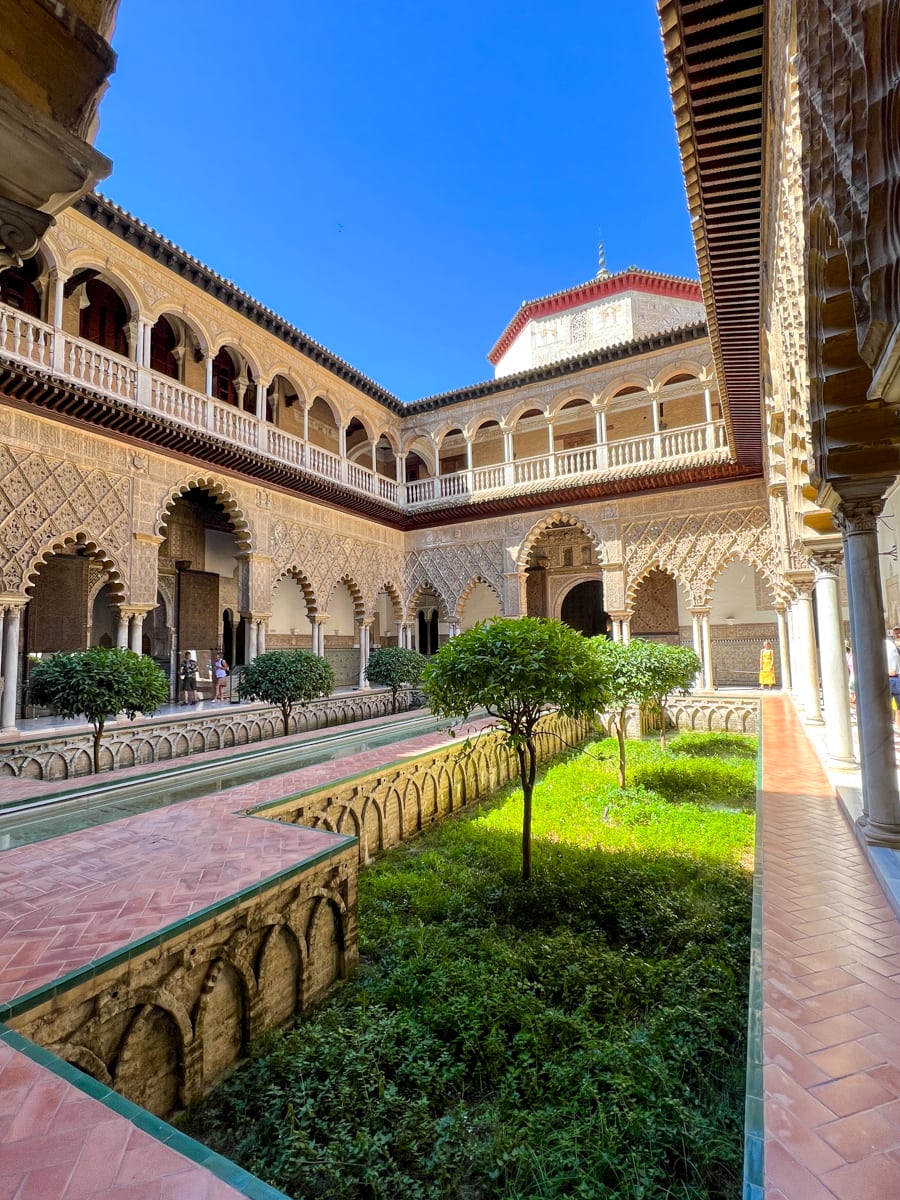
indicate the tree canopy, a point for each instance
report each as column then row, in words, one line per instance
column 286, row 678
column 517, row 669
column 96, row 684
column 393, row 667
column 671, row 671
column 644, row 674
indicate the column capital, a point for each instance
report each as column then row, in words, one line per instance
column 826, row 564
column 801, row 582
column 859, row 514
column 320, row 618
column 13, row 603
column 702, row 610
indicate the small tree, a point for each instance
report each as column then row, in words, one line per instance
column 394, row 666
column 286, row 678
column 672, row 671
column 518, row 669
column 96, row 684
column 642, row 673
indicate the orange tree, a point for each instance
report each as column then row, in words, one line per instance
column 518, row 669
column 286, row 678
column 96, row 684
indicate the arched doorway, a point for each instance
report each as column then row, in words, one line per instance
column 562, row 557
column 582, row 608
column 198, row 586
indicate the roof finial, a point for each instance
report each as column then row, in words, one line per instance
column 603, row 272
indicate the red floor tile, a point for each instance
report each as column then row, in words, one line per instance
column 831, row 1004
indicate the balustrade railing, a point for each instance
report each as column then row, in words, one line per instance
column 25, row 338
column 36, row 344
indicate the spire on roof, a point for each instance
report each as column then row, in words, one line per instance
column 603, row 272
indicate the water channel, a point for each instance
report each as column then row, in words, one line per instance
column 106, row 798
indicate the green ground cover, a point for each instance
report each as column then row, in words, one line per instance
column 580, row 1036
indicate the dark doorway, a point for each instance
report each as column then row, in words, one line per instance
column 583, row 608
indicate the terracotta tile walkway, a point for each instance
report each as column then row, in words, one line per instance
column 56, row 1143
column 831, row 988
column 68, row 902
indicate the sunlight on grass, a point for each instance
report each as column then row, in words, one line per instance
column 579, row 1037
column 677, row 805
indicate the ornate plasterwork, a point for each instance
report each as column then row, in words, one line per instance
column 45, row 502
column 326, row 557
column 695, row 548
column 451, row 569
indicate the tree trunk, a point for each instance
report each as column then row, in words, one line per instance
column 286, row 714
column 394, row 703
column 527, row 771
column 98, row 734
column 620, row 736
column 662, row 727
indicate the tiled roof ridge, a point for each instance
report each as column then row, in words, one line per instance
column 609, row 283
column 357, row 377
column 640, row 345
column 612, row 277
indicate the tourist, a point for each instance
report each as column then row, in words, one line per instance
column 767, row 665
column 189, row 692
column 893, row 666
column 220, row 670
column 851, row 677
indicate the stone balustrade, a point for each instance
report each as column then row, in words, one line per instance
column 28, row 341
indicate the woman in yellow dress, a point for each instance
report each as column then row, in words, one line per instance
column 767, row 666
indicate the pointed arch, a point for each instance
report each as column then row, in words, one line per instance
column 556, row 520
column 657, row 564
column 221, row 494
column 746, row 556
column 80, row 540
column 356, row 593
column 470, row 587
column 304, row 583
column 393, row 592
column 426, row 588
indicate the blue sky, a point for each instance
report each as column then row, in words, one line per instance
column 396, row 178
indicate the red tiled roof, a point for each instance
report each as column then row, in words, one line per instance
column 632, row 280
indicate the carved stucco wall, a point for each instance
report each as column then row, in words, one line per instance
column 88, row 488
column 692, row 534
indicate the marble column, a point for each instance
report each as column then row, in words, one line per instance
column 806, row 664
column 709, row 679
column 364, row 635
column 136, row 633
column 856, row 518
column 626, row 629
column 784, row 650
column 794, row 647
column 261, row 636
column 11, row 623
column 697, row 642
column 835, row 694
column 252, row 637
column 122, row 629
